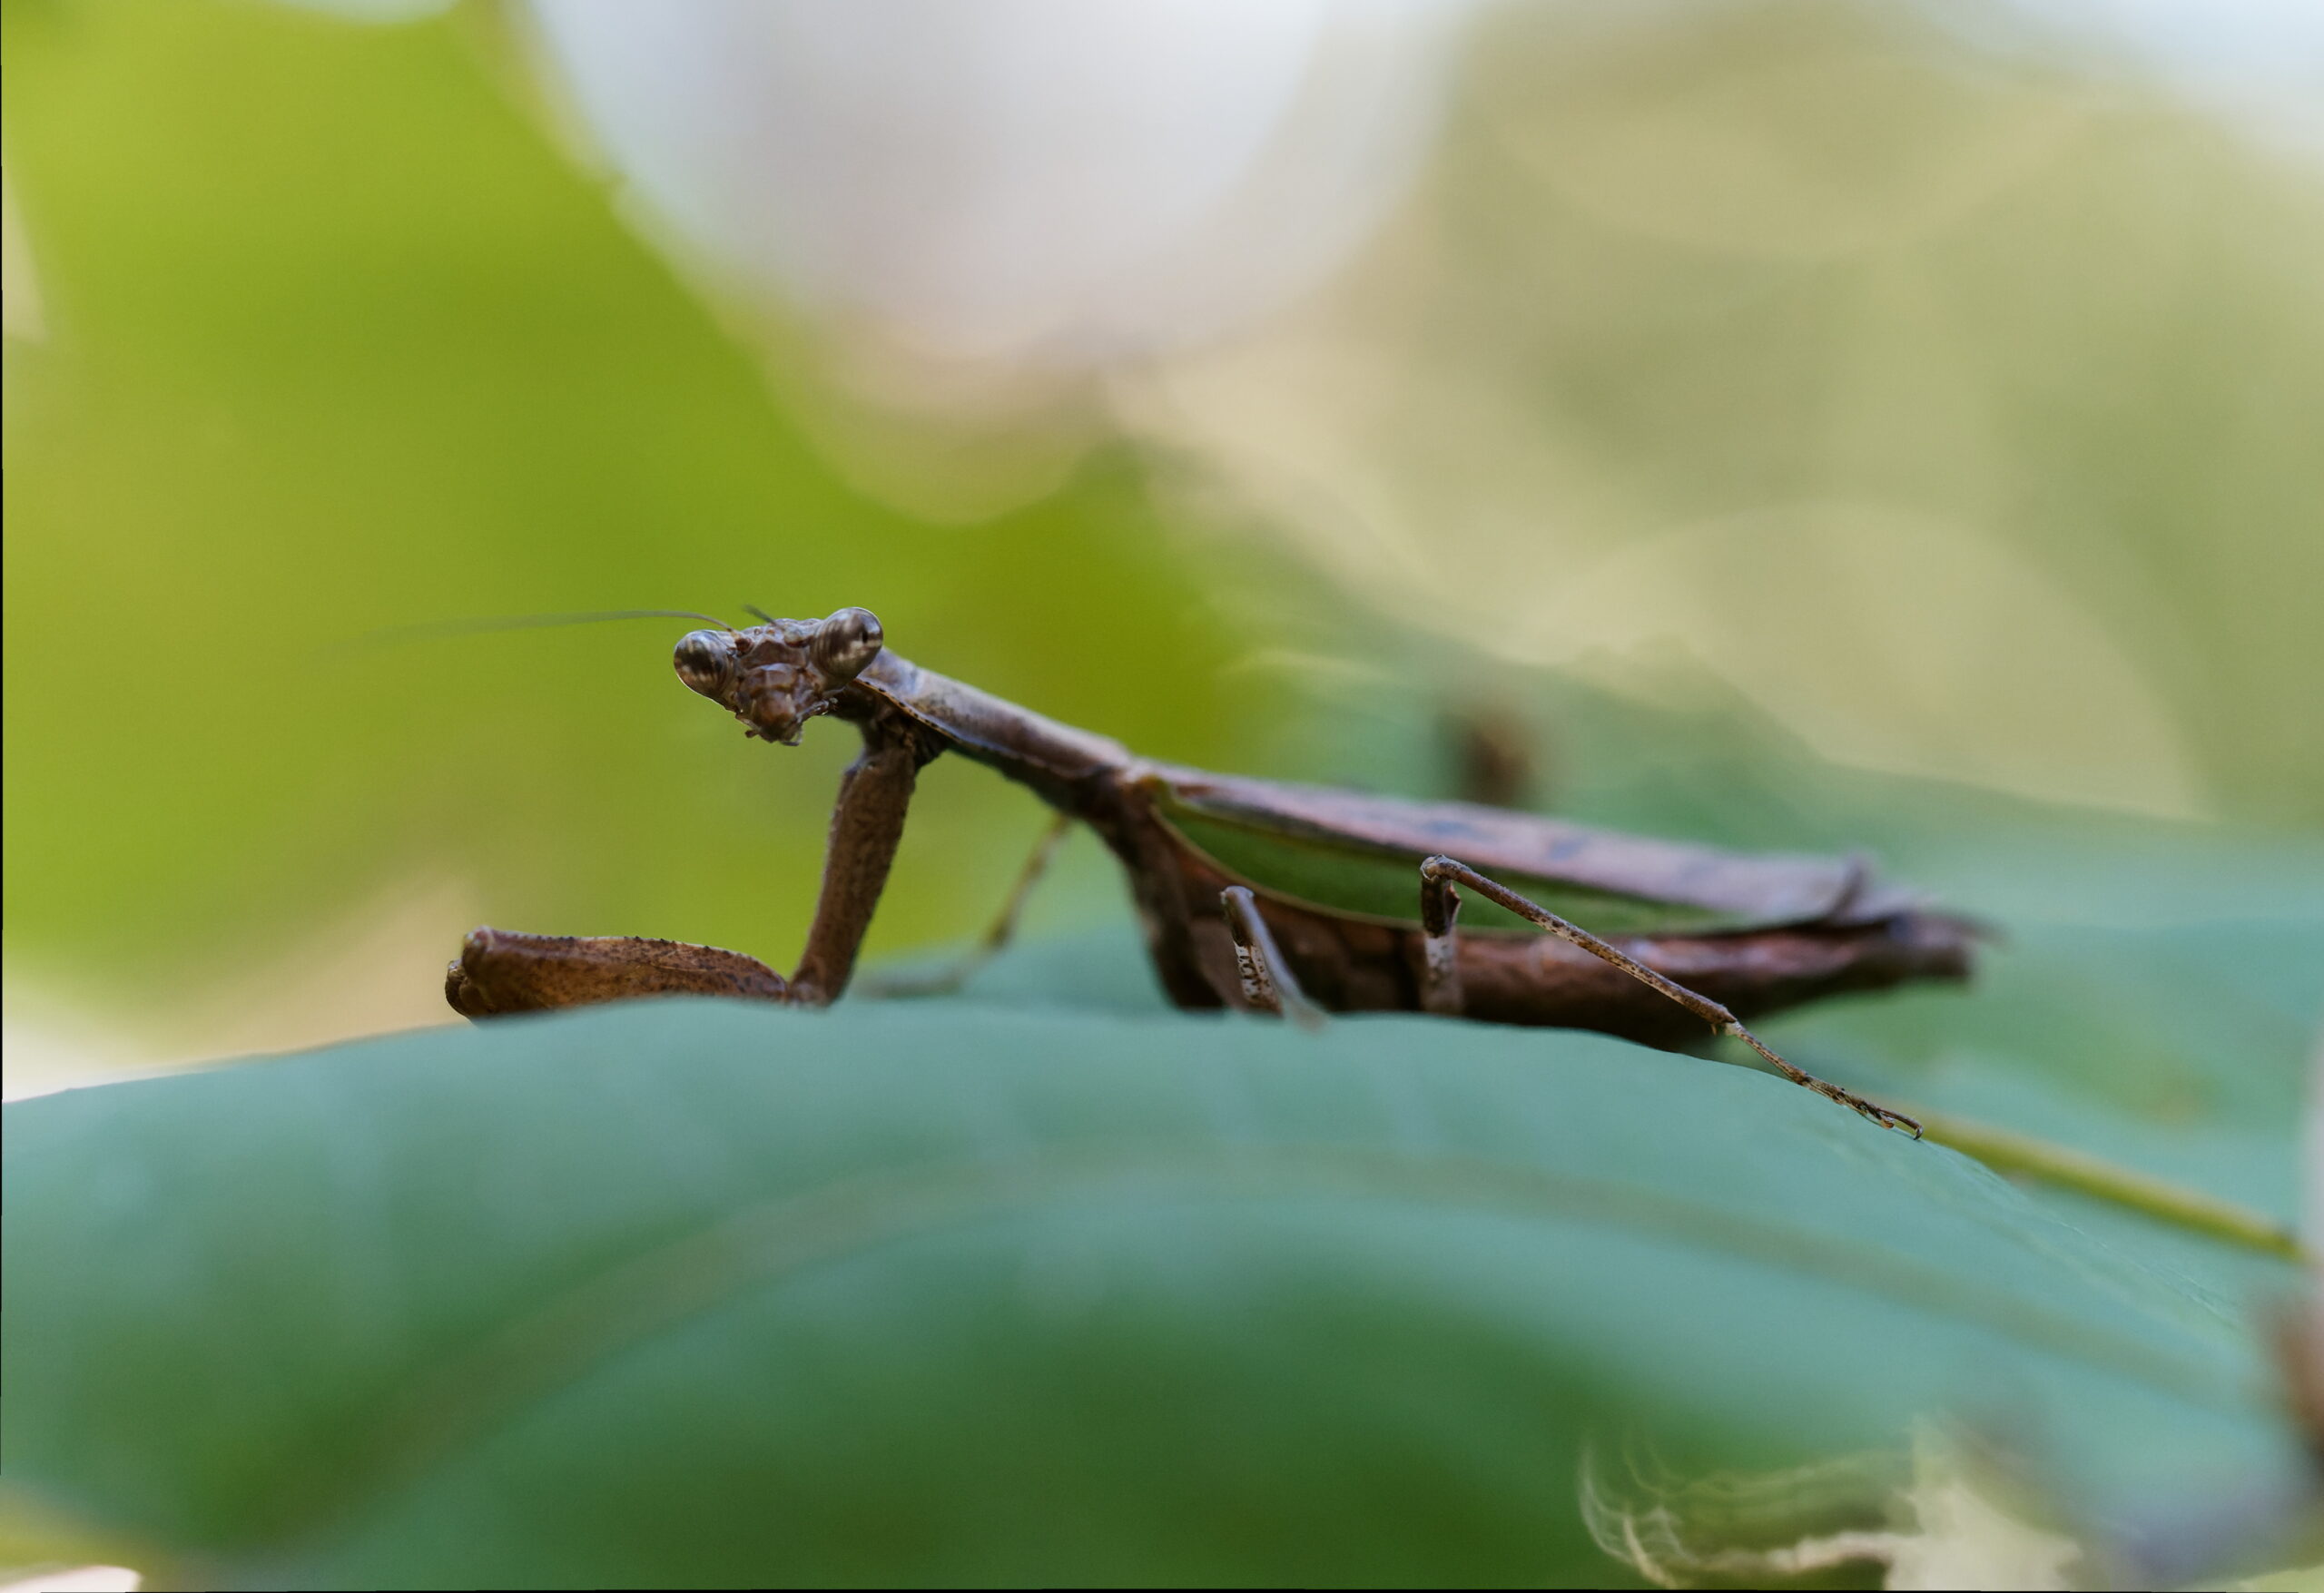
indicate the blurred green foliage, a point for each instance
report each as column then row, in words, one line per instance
column 1951, row 391
column 337, row 341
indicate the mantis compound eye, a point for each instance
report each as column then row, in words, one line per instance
column 848, row 641
column 704, row 662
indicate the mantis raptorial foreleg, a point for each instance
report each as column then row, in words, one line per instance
column 1440, row 904
column 499, row 972
column 1268, row 983
column 867, row 822
column 995, row 939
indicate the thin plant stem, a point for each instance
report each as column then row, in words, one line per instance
column 2006, row 1151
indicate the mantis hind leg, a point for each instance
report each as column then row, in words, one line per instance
column 997, row 936
column 1440, row 904
column 1268, row 983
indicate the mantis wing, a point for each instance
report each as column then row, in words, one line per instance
column 1359, row 855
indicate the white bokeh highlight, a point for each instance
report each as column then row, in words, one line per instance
column 1016, row 182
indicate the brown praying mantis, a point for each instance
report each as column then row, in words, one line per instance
column 1268, row 896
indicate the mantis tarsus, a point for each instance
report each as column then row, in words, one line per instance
column 1271, row 897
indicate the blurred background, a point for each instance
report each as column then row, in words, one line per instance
column 1695, row 404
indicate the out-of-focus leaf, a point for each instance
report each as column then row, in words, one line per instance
column 698, row 1294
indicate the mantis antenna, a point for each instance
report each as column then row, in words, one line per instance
column 392, row 636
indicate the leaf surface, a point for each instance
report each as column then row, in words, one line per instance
column 696, row 1293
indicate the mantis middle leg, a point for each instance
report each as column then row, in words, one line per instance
column 944, row 981
column 1268, row 983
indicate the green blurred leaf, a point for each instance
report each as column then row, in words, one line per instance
column 688, row 1293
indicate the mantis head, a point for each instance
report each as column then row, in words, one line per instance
column 776, row 676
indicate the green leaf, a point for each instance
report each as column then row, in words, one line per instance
column 692, row 1293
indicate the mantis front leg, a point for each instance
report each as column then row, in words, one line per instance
column 1441, row 973
column 499, row 972
column 867, row 822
